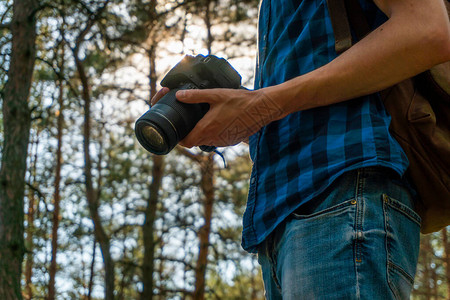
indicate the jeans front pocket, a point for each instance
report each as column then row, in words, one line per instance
column 402, row 227
column 328, row 212
column 315, row 254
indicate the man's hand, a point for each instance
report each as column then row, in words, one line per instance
column 159, row 95
column 233, row 115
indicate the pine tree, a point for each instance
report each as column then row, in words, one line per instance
column 16, row 126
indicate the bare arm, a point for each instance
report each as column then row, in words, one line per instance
column 415, row 38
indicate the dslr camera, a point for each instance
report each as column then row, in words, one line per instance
column 167, row 122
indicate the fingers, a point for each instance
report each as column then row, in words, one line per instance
column 199, row 96
column 233, row 116
column 159, row 95
column 194, row 139
column 210, row 132
column 190, row 96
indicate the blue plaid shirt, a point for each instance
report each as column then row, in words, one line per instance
column 298, row 157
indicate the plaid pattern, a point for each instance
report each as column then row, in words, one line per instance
column 296, row 158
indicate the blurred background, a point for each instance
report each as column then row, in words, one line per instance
column 96, row 216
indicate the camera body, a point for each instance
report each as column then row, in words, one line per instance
column 167, row 122
column 205, row 72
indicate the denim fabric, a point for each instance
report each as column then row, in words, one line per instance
column 357, row 240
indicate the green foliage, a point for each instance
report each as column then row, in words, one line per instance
column 121, row 168
column 120, row 38
column 246, row 284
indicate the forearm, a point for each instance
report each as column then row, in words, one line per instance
column 411, row 41
column 416, row 37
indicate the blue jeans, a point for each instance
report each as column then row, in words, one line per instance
column 357, row 240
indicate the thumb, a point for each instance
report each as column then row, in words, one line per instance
column 197, row 96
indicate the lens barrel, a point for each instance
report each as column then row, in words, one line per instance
column 161, row 128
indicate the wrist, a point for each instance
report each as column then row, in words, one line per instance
column 269, row 106
column 291, row 96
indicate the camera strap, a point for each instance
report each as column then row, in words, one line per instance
column 214, row 149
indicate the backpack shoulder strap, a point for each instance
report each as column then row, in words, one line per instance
column 341, row 26
column 358, row 21
column 346, row 14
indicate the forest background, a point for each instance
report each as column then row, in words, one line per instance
column 85, row 211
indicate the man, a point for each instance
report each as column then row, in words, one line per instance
column 329, row 213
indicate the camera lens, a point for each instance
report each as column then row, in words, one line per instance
column 152, row 137
column 161, row 128
column 155, row 133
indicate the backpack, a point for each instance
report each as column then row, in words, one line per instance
column 420, row 120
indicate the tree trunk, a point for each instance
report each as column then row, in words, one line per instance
column 57, row 196
column 434, row 276
column 208, row 24
column 207, row 185
column 17, row 122
column 148, row 228
column 148, row 265
column 91, row 273
column 92, row 195
column 427, row 273
column 446, row 243
column 30, row 223
column 29, row 244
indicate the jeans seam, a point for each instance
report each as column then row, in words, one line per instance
column 359, row 215
column 323, row 212
column 389, row 203
column 388, row 255
column 273, row 260
column 400, row 270
column 406, row 211
column 358, row 227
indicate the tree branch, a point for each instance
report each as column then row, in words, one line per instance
column 91, row 22
column 5, row 26
column 188, row 154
